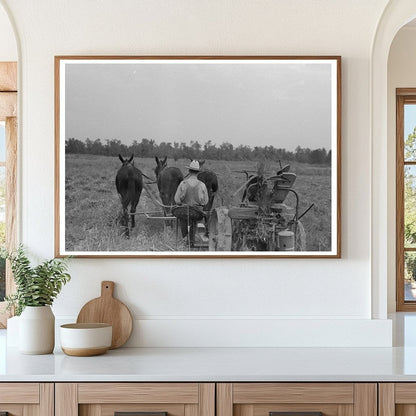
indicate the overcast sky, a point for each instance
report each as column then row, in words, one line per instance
column 409, row 119
column 284, row 105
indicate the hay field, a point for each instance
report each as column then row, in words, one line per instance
column 93, row 208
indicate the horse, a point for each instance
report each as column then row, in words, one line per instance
column 210, row 179
column 129, row 184
column 168, row 180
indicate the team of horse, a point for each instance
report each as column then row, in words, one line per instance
column 168, row 179
column 129, row 184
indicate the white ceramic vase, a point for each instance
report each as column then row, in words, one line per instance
column 37, row 330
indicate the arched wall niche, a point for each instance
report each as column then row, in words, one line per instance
column 396, row 15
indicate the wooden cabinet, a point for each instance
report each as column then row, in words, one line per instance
column 106, row 399
column 297, row 399
column 208, row 399
column 27, row 399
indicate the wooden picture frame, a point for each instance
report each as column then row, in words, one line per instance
column 267, row 127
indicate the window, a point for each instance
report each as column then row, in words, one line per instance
column 406, row 199
column 8, row 169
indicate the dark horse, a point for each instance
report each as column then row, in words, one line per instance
column 129, row 184
column 168, row 180
column 211, row 182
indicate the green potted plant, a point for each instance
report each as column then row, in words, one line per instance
column 36, row 289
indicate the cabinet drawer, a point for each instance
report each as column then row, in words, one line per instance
column 138, row 393
column 147, row 399
column 19, row 393
column 21, row 399
column 296, row 399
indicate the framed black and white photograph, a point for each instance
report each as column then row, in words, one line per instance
column 198, row 156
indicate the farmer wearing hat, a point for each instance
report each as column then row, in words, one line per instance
column 192, row 192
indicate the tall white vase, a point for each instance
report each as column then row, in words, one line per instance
column 37, row 330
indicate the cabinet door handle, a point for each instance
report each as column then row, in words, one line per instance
column 295, row 413
column 138, row 414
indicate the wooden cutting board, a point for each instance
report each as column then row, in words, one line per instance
column 108, row 310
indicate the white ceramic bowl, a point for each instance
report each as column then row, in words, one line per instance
column 84, row 340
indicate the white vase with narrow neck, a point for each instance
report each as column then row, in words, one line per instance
column 37, row 330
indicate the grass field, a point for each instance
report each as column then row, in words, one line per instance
column 93, row 207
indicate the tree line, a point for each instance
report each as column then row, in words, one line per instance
column 196, row 150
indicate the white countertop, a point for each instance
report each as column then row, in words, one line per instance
column 215, row 364
column 221, row 364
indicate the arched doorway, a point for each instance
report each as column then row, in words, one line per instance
column 396, row 15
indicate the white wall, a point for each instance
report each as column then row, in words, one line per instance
column 8, row 46
column 401, row 74
column 212, row 302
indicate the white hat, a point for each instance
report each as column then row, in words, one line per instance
column 194, row 165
